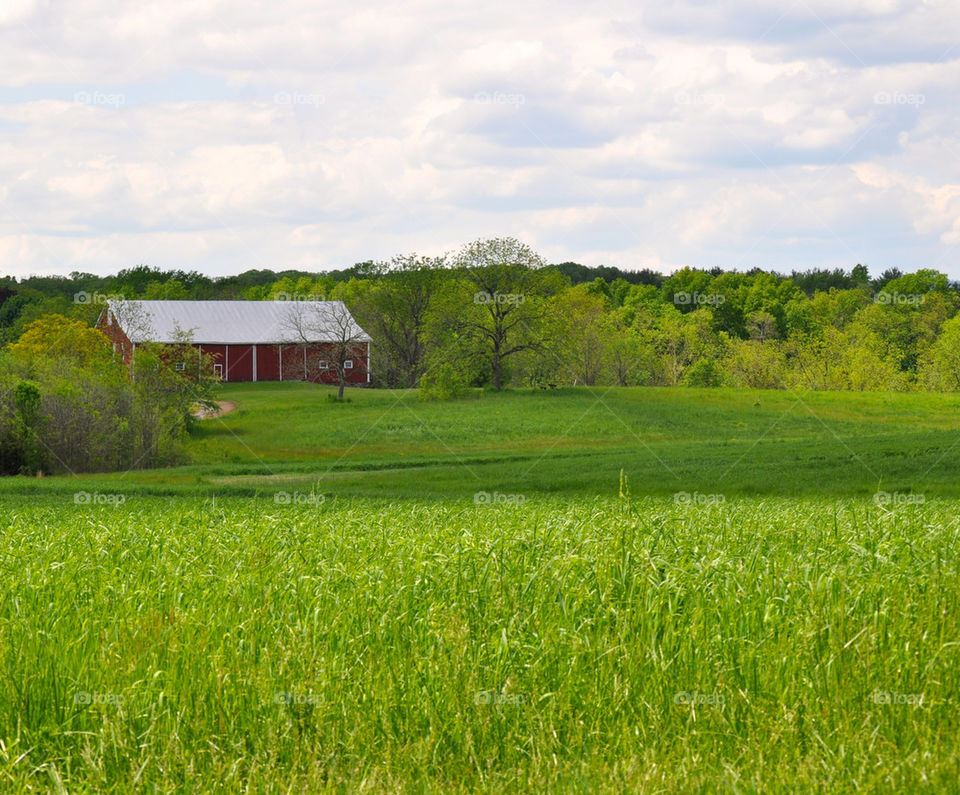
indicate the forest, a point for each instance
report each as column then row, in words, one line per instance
column 495, row 314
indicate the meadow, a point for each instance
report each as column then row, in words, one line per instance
column 185, row 644
column 326, row 598
column 573, row 441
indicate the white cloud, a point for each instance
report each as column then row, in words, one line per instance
column 226, row 135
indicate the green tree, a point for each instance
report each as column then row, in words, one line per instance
column 27, row 425
column 754, row 364
column 941, row 363
column 762, row 326
column 679, row 340
column 688, row 289
column 504, row 309
column 170, row 290
column 61, row 337
column 629, row 361
column 394, row 307
column 581, row 339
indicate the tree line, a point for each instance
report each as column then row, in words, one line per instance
column 495, row 314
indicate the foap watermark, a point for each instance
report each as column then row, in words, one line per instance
column 298, row 98
column 887, row 499
column 696, row 498
column 282, row 296
column 899, row 98
column 684, row 298
column 885, row 697
column 499, row 298
column 297, row 699
column 698, row 99
column 100, row 99
column 699, row 699
column 96, row 498
column 83, row 297
column 499, row 98
column 85, row 698
column 298, row 498
column 497, row 498
column 484, row 697
column 899, row 299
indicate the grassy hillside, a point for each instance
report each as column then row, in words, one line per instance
column 453, row 597
column 568, row 441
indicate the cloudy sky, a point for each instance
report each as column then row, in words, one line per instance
column 224, row 135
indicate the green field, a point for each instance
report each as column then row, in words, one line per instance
column 569, row 441
column 386, row 594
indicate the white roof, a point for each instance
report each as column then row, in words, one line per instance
column 236, row 322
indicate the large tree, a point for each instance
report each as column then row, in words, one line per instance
column 500, row 308
column 393, row 305
column 581, row 336
column 61, row 337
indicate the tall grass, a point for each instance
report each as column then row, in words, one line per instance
column 605, row 644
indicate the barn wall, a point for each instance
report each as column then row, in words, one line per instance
column 268, row 363
column 239, row 363
column 122, row 346
column 325, row 352
column 358, row 375
column 291, row 363
column 218, row 353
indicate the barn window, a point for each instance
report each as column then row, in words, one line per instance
column 348, row 364
column 181, row 366
column 324, row 364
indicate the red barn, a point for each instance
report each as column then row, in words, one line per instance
column 249, row 340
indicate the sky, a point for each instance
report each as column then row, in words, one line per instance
column 220, row 136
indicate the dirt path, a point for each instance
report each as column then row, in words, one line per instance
column 225, row 407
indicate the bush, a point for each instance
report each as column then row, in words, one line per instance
column 443, row 383
column 703, row 373
column 77, row 409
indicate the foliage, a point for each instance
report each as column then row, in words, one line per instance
column 499, row 304
column 499, row 316
column 442, row 383
column 67, row 405
column 56, row 336
column 941, row 366
column 394, row 305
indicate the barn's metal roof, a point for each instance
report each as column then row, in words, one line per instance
column 236, row 322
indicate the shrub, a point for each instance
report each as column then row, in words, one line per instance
column 442, row 383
